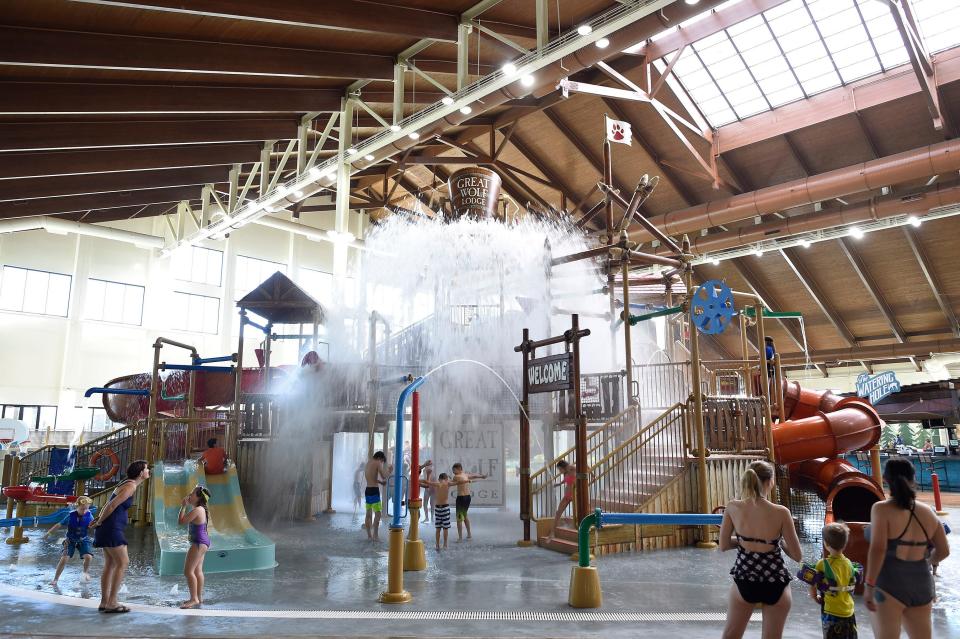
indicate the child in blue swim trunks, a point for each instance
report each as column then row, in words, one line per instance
column 78, row 538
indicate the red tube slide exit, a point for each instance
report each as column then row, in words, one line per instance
column 819, row 428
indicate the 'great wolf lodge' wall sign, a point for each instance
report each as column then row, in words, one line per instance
column 474, row 192
column 552, row 373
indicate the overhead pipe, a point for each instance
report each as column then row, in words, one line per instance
column 934, row 159
column 885, row 351
column 811, row 222
column 60, row 226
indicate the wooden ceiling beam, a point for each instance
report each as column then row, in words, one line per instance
column 78, row 134
column 356, row 15
column 872, row 289
column 82, row 50
column 35, row 164
column 46, row 187
column 806, row 279
column 70, row 98
column 748, row 276
column 916, row 246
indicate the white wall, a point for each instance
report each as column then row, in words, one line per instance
column 53, row 360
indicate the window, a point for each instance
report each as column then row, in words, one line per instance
column 114, row 302
column 195, row 313
column 100, row 422
column 198, row 264
column 800, row 48
column 35, row 417
column 317, row 284
column 28, row 291
column 251, row 272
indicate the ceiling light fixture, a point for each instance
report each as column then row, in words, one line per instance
column 758, row 252
column 447, row 100
column 369, row 157
column 584, row 29
column 805, row 243
column 413, row 135
column 692, row 2
column 716, row 262
column 298, row 193
column 527, row 80
column 351, row 151
column 509, row 68
column 914, row 221
column 602, row 43
column 394, row 127
column 856, row 232
column 466, row 110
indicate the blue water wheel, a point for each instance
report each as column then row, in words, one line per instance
column 711, row 307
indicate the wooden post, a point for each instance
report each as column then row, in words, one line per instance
column 705, row 541
column 234, row 438
column 151, row 431
column 525, row 444
column 745, row 356
column 764, row 382
column 627, row 346
column 582, row 503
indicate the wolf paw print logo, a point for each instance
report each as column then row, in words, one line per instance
column 616, row 131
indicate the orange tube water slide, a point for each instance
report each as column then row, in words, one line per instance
column 819, row 427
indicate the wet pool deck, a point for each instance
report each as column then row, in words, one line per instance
column 328, row 566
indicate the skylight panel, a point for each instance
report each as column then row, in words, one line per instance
column 939, row 22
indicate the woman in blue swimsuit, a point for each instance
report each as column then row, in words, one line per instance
column 108, row 528
column 899, row 582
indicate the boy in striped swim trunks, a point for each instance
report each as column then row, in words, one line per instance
column 441, row 506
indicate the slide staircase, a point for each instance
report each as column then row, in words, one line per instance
column 235, row 544
column 629, row 466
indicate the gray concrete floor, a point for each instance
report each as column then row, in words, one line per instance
column 329, row 565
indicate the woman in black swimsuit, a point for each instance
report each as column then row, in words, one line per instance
column 899, row 584
column 758, row 529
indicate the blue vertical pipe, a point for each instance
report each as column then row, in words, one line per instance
column 398, row 451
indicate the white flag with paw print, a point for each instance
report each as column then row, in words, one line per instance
column 618, row 131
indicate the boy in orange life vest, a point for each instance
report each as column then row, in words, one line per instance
column 214, row 459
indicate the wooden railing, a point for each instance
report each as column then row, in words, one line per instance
column 734, row 424
column 624, row 479
column 544, row 495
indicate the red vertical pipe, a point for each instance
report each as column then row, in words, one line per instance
column 415, row 448
column 935, row 481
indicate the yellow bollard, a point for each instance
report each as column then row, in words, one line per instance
column 585, row 588
column 414, row 557
column 18, row 537
column 395, row 592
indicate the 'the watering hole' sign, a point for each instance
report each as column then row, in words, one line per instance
column 878, row 386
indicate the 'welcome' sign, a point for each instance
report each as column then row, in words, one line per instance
column 550, row 373
column 876, row 387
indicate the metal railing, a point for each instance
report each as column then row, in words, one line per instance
column 637, row 469
column 734, row 424
column 127, row 443
column 662, row 385
column 544, row 495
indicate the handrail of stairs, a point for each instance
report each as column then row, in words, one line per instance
column 598, row 439
column 627, row 476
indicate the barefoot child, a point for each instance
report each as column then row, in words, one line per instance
column 568, row 473
column 429, row 492
column 376, row 476
column 78, row 538
column 462, row 481
column 441, row 506
column 837, row 576
column 196, row 520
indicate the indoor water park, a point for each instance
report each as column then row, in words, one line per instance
column 509, row 318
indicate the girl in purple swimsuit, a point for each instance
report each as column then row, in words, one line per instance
column 196, row 520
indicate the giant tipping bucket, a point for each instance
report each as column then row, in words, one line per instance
column 474, row 192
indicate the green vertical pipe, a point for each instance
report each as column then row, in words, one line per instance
column 583, row 536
